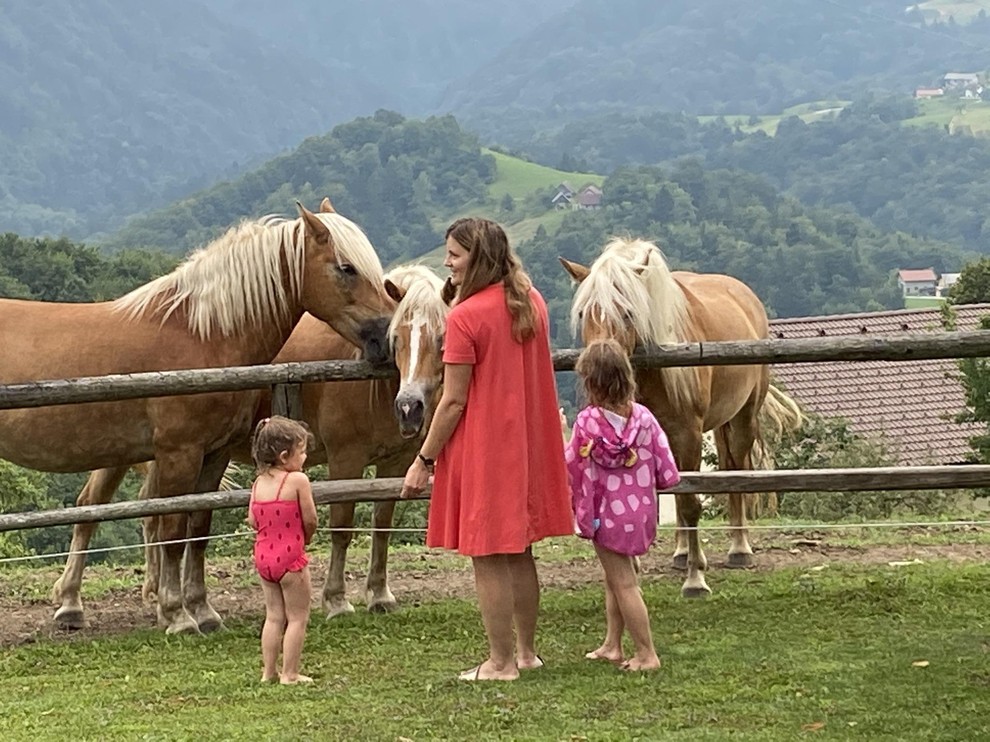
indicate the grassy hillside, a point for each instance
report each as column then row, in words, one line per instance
column 960, row 116
column 807, row 112
column 519, row 179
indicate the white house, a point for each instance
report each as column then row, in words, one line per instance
column 945, row 282
column 917, row 282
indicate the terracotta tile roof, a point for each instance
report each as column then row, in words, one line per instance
column 922, row 274
column 910, row 406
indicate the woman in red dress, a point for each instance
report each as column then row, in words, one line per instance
column 500, row 482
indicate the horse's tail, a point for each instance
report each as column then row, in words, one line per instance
column 779, row 414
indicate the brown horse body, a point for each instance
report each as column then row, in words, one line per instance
column 354, row 423
column 233, row 303
column 629, row 294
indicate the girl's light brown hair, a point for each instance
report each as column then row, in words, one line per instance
column 491, row 260
column 607, row 375
column 274, row 436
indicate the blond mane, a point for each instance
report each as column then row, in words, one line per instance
column 421, row 302
column 630, row 284
column 235, row 283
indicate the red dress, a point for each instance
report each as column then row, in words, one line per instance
column 501, row 483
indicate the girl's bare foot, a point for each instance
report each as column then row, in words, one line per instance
column 639, row 664
column 487, row 671
column 286, row 680
column 609, row 654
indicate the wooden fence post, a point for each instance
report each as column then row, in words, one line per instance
column 287, row 400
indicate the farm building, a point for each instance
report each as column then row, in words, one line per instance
column 908, row 406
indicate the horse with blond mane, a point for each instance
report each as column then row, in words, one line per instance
column 354, row 423
column 630, row 294
column 233, row 303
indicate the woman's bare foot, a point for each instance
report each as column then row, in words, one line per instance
column 487, row 671
column 295, row 680
column 269, row 678
column 607, row 653
column 639, row 664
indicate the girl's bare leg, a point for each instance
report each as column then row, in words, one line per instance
column 611, row 648
column 620, row 576
column 297, row 594
column 271, row 634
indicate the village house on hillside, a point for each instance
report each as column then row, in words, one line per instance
column 589, row 197
column 909, row 407
column 917, row 282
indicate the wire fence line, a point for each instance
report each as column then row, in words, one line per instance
column 938, row 524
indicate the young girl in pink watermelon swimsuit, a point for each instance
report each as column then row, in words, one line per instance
column 283, row 513
column 617, row 458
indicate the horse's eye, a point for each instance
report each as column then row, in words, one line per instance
column 347, row 269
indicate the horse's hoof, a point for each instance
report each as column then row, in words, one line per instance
column 209, row 624
column 382, row 606
column 338, row 608
column 695, row 592
column 70, row 618
column 680, row 562
column 739, row 560
column 183, row 626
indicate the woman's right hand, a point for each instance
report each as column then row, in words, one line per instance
column 417, row 477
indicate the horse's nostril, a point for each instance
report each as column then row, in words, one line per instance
column 409, row 408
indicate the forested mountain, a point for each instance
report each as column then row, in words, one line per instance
column 709, row 57
column 411, row 50
column 387, row 173
column 110, row 107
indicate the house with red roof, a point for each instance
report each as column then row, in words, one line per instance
column 917, row 282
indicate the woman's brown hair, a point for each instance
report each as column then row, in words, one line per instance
column 491, row 260
column 274, row 436
column 607, row 375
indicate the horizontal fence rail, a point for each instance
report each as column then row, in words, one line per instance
column 374, row 490
column 894, row 347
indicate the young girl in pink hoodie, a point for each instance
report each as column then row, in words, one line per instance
column 617, row 458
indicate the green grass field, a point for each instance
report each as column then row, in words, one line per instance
column 519, row 178
column 960, row 116
column 845, row 653
column 809, row 112
column 922, row 302
column 839, row 647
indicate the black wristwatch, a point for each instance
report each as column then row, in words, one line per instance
column 427, row 462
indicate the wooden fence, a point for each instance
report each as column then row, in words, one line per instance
column 287, row 377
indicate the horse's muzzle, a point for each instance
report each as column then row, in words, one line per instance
column 374, row 341
column 410, row 411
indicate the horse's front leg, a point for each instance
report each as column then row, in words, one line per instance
column 98, row 490
column 689, row 514
column 335, row 601
column 194, row 565
column 380, row 597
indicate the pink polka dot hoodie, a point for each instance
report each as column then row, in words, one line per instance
column 614, row 478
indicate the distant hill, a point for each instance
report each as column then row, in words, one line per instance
column 109, row 107
column 713, row 57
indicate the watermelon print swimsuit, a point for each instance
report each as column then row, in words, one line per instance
column 280, row 545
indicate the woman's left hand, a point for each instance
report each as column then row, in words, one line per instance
column 417, row 477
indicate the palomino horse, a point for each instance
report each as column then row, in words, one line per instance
column 631, row 295
column 233, row 303
column 351, row 421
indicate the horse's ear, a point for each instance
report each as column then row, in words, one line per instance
column 448, row 293
column 313, row 224
column 643, row 265
column 394, row 291
column 578, row 272
column 326, row 207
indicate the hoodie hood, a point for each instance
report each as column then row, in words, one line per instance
column 609, row 448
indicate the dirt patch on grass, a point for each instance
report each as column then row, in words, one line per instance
column 416, row 578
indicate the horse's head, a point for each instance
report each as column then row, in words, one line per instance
column 342, row 281
column 416, row 337
column 627, row 294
